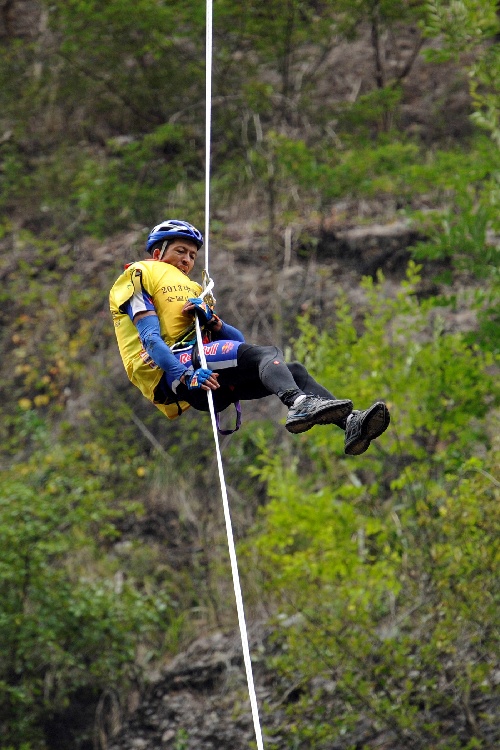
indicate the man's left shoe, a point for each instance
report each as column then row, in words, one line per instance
column 317, row 410
column 364, row 426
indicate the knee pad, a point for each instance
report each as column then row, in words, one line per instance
column 270, row 356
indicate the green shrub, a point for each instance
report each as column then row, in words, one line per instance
column 133, row 179
column 71, row 612
column 387, row 561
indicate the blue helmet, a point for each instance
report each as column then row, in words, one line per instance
column 172, row 229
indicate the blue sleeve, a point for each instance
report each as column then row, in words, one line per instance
column 229, row 333
column 160, row 353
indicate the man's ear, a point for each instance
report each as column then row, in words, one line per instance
column 156, row 253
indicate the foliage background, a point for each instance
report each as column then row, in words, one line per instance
column 112, row 547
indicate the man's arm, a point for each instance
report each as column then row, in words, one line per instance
column 212, row 322
column 225, row 331
column 148, row 327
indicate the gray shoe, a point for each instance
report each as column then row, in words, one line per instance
column 317, row 410
column 364, row 426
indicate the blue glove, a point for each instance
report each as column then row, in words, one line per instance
column 194, row 379
column 201, row 309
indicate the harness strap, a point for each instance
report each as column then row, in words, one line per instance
column 237, row 406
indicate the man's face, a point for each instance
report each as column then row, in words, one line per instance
column 181, row 254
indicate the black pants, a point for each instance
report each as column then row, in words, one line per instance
column 260, row 372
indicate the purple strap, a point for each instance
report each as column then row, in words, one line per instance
column 238, row 421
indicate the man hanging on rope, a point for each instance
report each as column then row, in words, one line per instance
column 153, row 304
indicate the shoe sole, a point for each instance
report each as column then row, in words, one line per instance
column 376, row 422
column 330, row 415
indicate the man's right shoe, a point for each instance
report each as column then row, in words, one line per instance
column 317, row 410
column 364, row 426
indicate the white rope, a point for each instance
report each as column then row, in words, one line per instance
column 225, row 501
column 208, row 123
column 233, row 559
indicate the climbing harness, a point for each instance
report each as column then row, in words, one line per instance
column 208, row 283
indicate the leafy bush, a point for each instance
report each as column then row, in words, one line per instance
column 470, row 28
column 133, row 180
column 71, row 613
column 464, row 231
column 387, row 561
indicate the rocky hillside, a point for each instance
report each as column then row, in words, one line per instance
column 200, row 700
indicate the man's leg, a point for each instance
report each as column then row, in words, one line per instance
column 306, row 382
column 261, row 371
column 361, row 427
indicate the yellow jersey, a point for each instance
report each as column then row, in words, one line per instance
column 151, row 284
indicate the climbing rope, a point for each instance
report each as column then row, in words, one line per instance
column 208, row 124
column 225, row 502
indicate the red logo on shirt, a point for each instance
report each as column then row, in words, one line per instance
column 212, row 349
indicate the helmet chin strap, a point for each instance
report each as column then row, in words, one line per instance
column 163, row 248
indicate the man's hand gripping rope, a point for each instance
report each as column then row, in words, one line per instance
column 201, row 309
column 202, row 377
